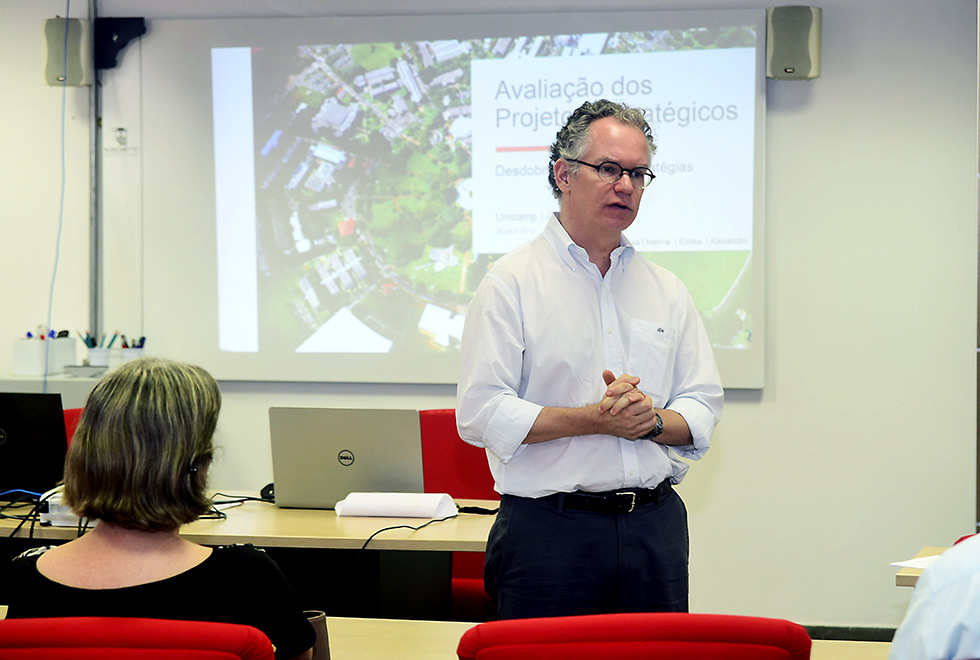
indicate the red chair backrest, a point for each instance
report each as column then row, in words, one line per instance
column 450, row 465
column 72, row 416
column 113, row 638
column 673, row 636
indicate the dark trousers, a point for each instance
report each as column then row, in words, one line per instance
column 546, row 560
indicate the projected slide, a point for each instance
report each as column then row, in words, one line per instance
column 364, row 189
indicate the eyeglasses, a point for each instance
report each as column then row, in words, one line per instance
column 611, row 172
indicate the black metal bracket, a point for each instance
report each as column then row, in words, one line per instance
column 112, row 35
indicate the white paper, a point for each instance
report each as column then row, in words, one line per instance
column 917, row 562
column 397, row 505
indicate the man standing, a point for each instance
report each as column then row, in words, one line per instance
column 582, row 363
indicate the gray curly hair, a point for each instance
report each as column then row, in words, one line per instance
column 572, row 140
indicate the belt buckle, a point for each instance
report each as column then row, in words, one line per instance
column 632, row 499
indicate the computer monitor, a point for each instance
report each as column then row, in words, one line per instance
column 33, row 444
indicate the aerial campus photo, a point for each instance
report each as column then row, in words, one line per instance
column 364, row 175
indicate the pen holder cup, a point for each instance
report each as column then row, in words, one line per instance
column 30, row 356
column 128, row 354
column 98, row 357
column 321, row 649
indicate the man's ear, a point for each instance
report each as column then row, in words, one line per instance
column 561, row 174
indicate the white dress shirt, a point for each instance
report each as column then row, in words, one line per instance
column 543, row 326
column 942, row 622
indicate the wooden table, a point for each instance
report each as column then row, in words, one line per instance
column 402, row 573
column 269, row 526
column 377, row 639
column 907, row 577
column 826, row 649
column 380, row 639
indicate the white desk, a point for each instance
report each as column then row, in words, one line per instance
column 74, row 391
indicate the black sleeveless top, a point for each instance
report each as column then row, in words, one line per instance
column 235, row 584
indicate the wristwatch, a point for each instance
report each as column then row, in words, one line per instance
column 658, row 428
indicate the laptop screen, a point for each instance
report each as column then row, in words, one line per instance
column 33, row 443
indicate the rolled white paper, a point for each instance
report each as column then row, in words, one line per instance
column 397, row 505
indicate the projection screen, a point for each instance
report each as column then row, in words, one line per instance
column 322, row 196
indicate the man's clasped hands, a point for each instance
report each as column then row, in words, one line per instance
column 631, row 412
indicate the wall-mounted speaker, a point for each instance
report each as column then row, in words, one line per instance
column 78, row 67
column 793, row 42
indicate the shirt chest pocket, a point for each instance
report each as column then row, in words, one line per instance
column 651, row 354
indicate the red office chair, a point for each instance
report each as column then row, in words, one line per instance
column 110, row 638
column 72, row 416
column 449, row 465
column 673, row 636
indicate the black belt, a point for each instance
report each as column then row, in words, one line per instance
column 624, row 500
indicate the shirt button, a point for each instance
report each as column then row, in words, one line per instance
column 632, row 472
column 609, row 330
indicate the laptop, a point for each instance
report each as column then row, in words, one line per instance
column 320, row 455
column 33, row 443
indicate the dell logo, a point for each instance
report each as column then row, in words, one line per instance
column 3, row 436
column 345, row 457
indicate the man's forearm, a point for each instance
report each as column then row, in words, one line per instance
column 555, row 422
column 676, row 431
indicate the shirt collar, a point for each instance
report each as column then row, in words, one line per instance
column 573, row 255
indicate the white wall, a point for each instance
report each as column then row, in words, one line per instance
column 862, row 446
column 30, row 183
